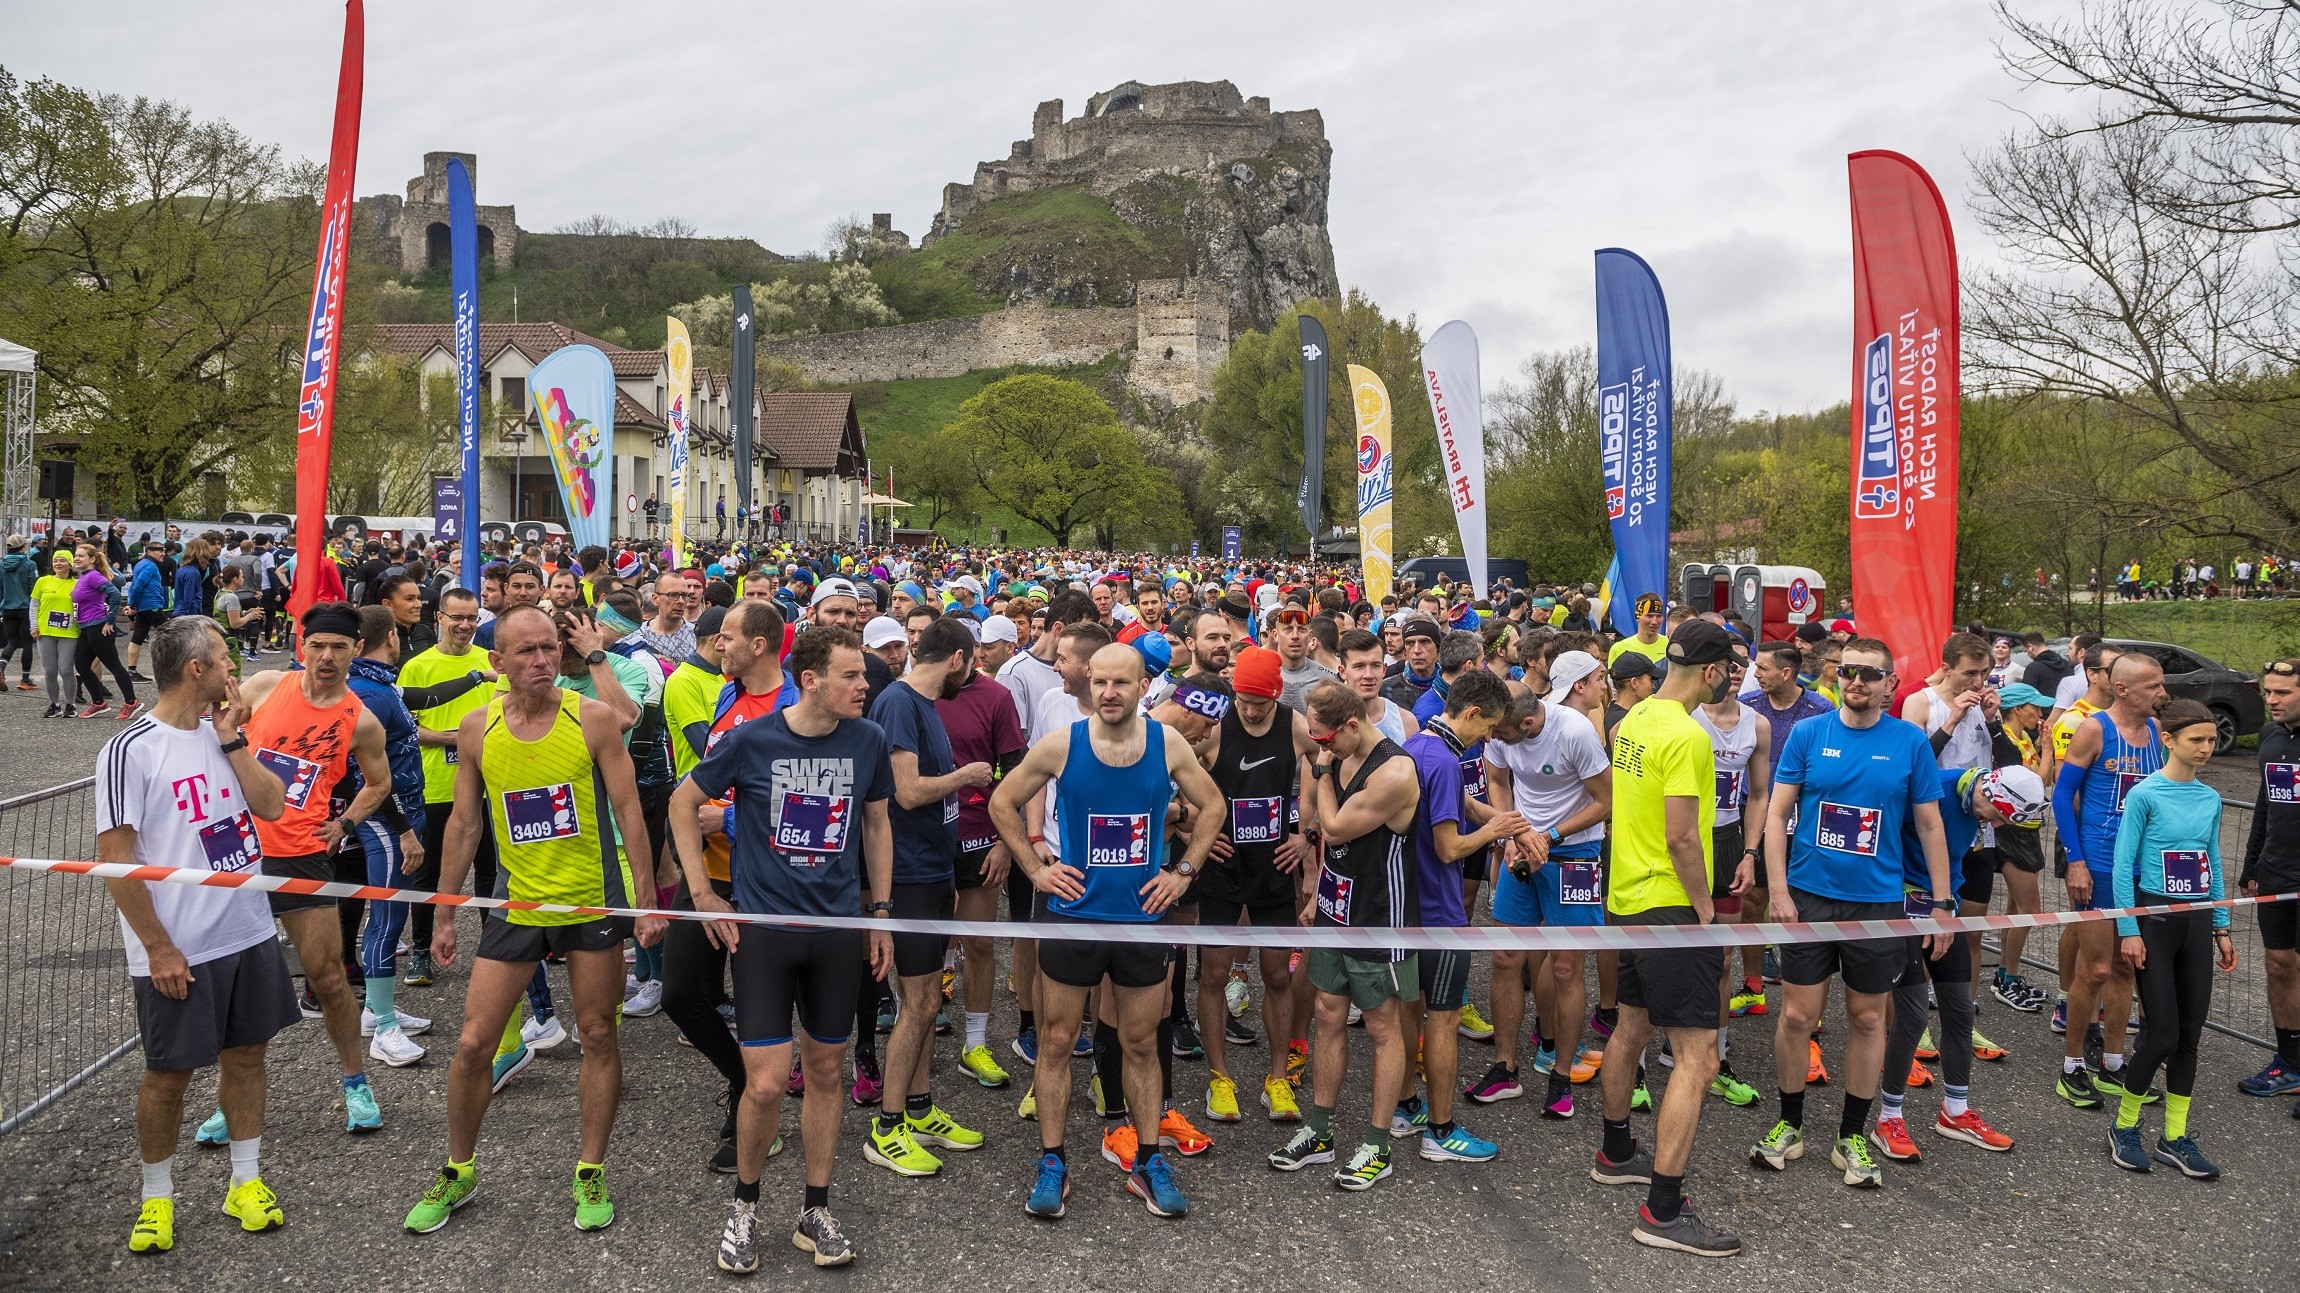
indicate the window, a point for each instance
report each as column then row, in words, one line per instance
column 515, row 392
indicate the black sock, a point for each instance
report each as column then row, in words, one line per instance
column 1793, row 1109
column 1029, row 1020
column 1166, row 1059
column 1544, row 1043
column 1620, row 1146
column 1610, row 1016
column 918, row 1106
column 2288, row 1046
column 884, row 1122
column 1856, row 1115
column 818, row 1196
column 1559, row 1084
column 1441, row 1130
column 1665, row 1198
column 1181, row 982
column 1059, row 1156
column 1110, row 1066
column 746, row 1191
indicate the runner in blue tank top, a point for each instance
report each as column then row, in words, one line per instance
column 1119, row 772
column 2108, row 755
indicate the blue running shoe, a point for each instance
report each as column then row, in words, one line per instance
column 1046, row 1198
column 2124, row 1149
column 1411, row 1118
column 1083, row 1046
column 1458, row 1146
column 2184, row 1155
column 1544, row 1059
column 360, row 1113
column 213, row 1133
column 2274, row 1080
column 1026, row 1045
column 1153, row 1182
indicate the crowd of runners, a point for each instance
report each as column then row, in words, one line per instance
column 1057, row 738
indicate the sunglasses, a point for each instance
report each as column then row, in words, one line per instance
column 1863, row 673
column 2281, row 668
column 1327, row 739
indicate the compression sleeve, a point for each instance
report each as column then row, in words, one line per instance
column 438, row 693
column 2067, row 794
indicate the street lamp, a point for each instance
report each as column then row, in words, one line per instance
column 518, row 438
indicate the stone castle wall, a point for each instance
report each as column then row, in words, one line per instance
column 1028, row 334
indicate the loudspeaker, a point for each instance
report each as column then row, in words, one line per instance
column 55, row 479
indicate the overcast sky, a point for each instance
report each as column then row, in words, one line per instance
column 1482, row 151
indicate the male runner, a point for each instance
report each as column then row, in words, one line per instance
column 1365, row 794
column 1449, row 825
column 1648, row 641
column 984, row 727
column 1783, row 702
column 1119, row 772
column 2108, row 754
column 924, row 818
column 522, row 586
column 309, row 729
column 1854, row 784
column 2272, row 865
column 177, row 789
column 1735, row 731
column 2090, row 684
column 1289, row 632
column 1660, row 874
column 544, row 767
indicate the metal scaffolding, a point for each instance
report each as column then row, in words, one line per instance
column 19, row 469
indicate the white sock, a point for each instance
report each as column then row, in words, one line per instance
column 1724, row 1045
column 977, row 1028
column 2114, row 1063
column 244, row 1156
column 1889, row 1105
column 160, row 1179
column 2071, row 1063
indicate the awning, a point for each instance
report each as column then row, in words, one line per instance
column 883, row 500
column 15, row 358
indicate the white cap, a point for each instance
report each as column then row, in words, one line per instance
column 833, row 587
column 882, row 630
column 999, row 628
column 967, row 582
column 1569, row 668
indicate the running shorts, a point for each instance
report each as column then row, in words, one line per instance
column 820, row 973
column 917, row 954
column 1079, row 963
column 1675, row 986
column 239, row 999
column 1870, row 965
column 500, row 940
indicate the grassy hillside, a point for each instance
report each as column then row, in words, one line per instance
column 1064, row 244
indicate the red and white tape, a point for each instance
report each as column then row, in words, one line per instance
column 1472, row 938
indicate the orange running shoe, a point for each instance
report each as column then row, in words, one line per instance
column 1586, row 1065
column 1919, row 1075
column 1816, row 1073
column 1892, row 1140
column 1297, row 1060
column 1925, row 1048
column 1119, row 1144
column 1969, row 1128
column 1176, row 1133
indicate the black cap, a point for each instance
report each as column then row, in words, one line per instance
column 708, row 624
column 1810, row 633
column 1633, row 664
column 1421, row 626
column 1235, row 609
column 1698, row 642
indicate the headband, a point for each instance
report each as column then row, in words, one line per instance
column 1212, row 706
column 614, row 619
column 324, row 619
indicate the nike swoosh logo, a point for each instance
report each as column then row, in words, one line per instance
column 1248, row 765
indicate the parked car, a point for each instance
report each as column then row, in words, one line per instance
column 1425, row 570
column 2232, row 695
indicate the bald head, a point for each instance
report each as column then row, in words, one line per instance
column 1114, row 684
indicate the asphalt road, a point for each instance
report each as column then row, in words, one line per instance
column 2053, row 1213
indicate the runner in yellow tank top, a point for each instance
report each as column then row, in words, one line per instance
column 542, row 765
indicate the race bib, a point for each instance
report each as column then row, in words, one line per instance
column 1257, row 821
column 2283, row 781
column 230, row 843
column 2184, row 873
column 298, row 776
column 1117, row 839
column 1578, row 884
column 950, row 810
column 59, row 620
column 541, row 814
column 1917, row 906
column 1847, row 828
column 1728, row 789
column 813, row 824
column 2125, row 781
column 1334, row 895
column 1473, row 778
column 453, row 754
column 982, row 845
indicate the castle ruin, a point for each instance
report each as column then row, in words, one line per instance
column 411, row 234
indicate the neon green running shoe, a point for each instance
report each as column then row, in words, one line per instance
column 1641, row 1100
column 1731, row 1089
column 593, row 1209
column 254, row 1205
column 1851, row 1156
column 1780, row 1145
column 155, row 1230
column 891, row 1146
column 938, row 1128
column 451, row 1190
column 981, row 1065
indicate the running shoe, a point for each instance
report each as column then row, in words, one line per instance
column 1919, row 1075
column 1780, row 1145
column 1028, row 1109
column 1499, row 1083
column 796, row 1083
column 360, row 1114
column 155, row 1230
column 544, row 1035
column 2111, row 1084
column 593, row 1209
column 2077, row 1088
column 1925, row 1048
column 1561, row 1108
column 1891, row 1138
column 1153, row 1183
column 1850, row 1155
column 1687, row 1234
column 54, row 711
column 412, row 1025
column 1751, row 1002
column 1175, row 1132
column 419, row 970
column 869, row 1087
column 2060, row 1014
column 981, row 1064
column 450, row 1190
column 1457, row 1146
column 1637, row 1169
column 1119, row 1145
column 1668, row 1056
column 1222, row 1099
column 1301, row 1149
column 934, row 1127
column 1053, row 1188
column 648, row 1000
column 511, row 1064
column 1409, row 1119
column 1025, row 1045
column 213, row 1133
column 738, row 1249
column 818, row 1233
column 1545, row 1060
column 1473, row 1025
column 1816, row 1072
column 1094, row 1089
column 1278, row 1098
column 309, row 1004
column 2185, row 1156
column 1236, row 1033
column 1357, row 1016
column 2016, row 992
column 1186, row 1043
column 2095, row 1057
column 886, row 1016
column 129, row 710
column 2274, row 1080
column 1984, row 1049
column 891, row 1146
column 1236, row 996
column 254, row 1206
column 1297, row 1062
column 1369, row 1164
column 392, row 1046
column 1729, row 1087
column 2125, row 1149
column 99, row 707
column 1640, row 1099
column 1601, row 1026
column 1969, row 1128
column 1082, row 1045
column 1771, row 970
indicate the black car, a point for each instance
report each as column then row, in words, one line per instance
column 2232, row 695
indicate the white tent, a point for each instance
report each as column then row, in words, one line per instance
column 14, row 358
column 19, row 479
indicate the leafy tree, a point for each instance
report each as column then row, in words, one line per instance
column 934, row 472
column 1052, row 451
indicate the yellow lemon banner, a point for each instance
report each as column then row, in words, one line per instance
column 1371, row 400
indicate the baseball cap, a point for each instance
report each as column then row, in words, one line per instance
column 829, row 588
column 2020, row 693
column 1627, row 665
column 1569, row 668
column 1157, row 653
column 15, row 543
column 2016, row 792
column 1698, row 642
column 883, row 631
column 967, row 582
column 710, row 622
column 1842, row 626
column 1255, row 673
column 999, row 628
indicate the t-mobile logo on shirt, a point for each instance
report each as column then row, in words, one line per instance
column 192, row 795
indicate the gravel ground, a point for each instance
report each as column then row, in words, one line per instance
column 2053, row 1213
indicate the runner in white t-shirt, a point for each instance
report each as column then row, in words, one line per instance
column 1736, row 733
column 179, row 788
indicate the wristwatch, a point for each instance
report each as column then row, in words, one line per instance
column 235, row 745
column 1944, row 904
column 1182, row 868
column 1552, row 836
column 880, row 908
column 595, row 659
